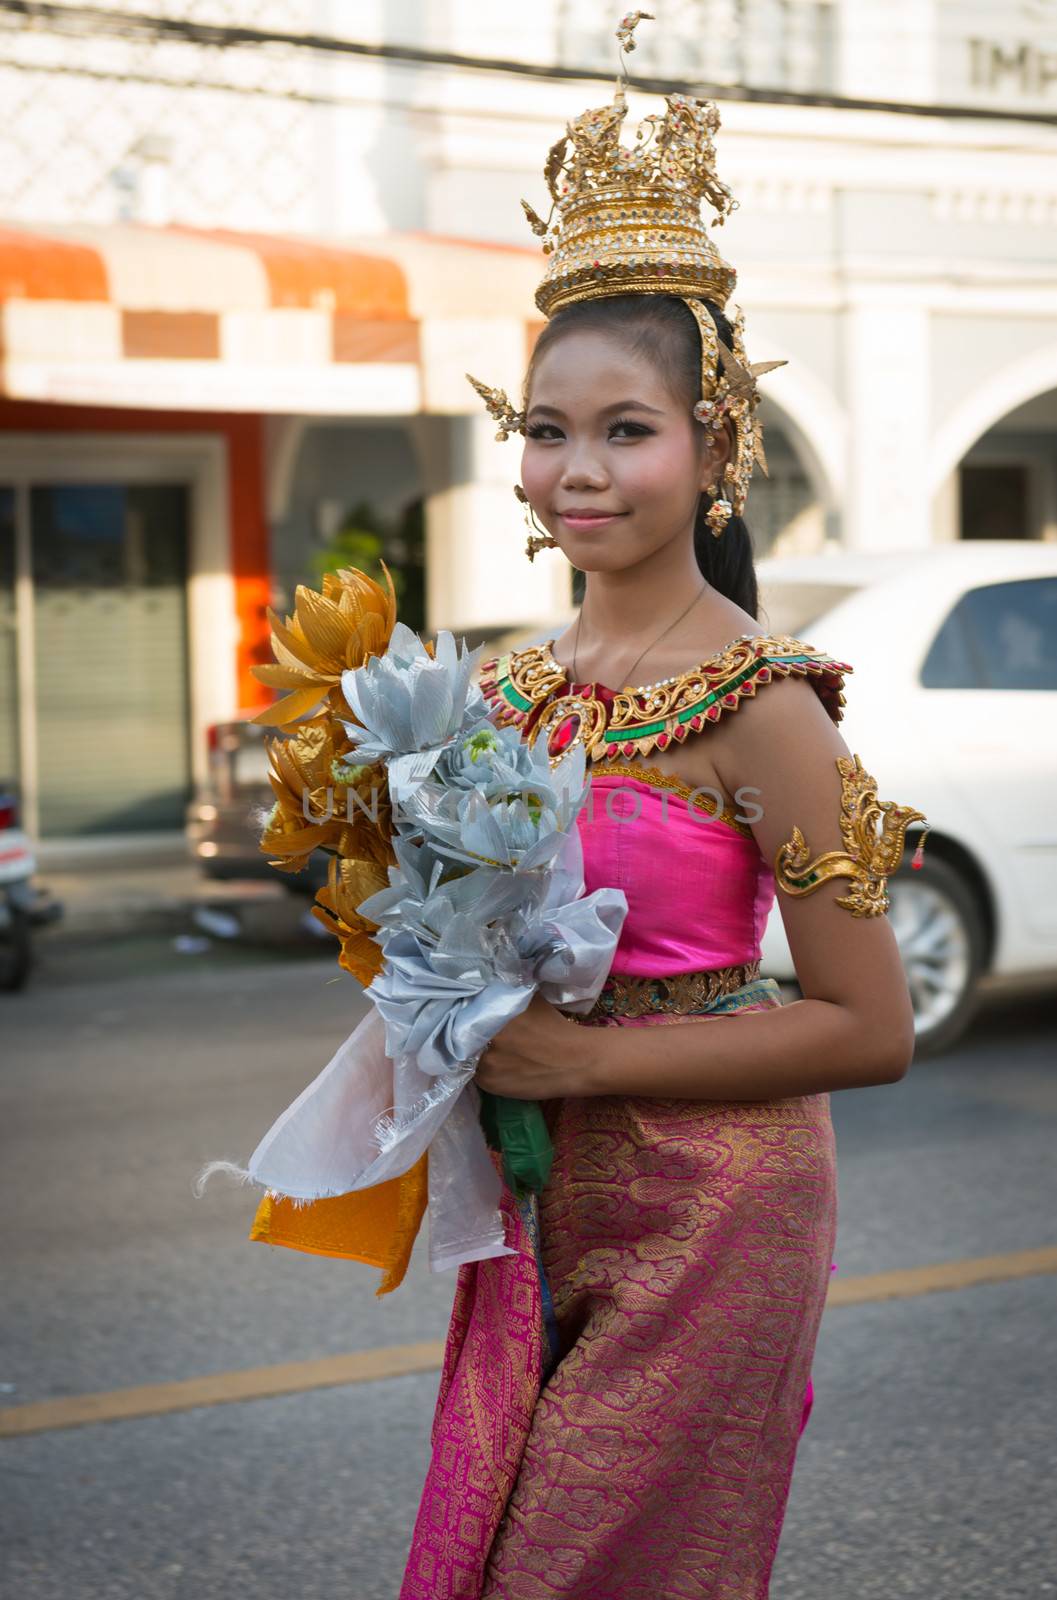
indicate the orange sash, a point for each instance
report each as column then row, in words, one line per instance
column 377, row 1226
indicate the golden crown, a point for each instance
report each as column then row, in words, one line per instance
column 628, row 221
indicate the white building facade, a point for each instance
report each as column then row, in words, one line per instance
column 243, row 239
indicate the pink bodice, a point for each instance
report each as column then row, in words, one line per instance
column 698, row 889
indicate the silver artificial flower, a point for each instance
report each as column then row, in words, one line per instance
column 411, row 705
column 490, row 759
column 508, row 808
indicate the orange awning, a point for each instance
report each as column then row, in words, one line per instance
column 182, row 318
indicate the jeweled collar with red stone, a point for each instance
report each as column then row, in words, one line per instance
column 531, row 689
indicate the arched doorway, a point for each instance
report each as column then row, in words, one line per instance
column 1006, row 483
column 792, row 510
column 786, row 510
column 993, row 459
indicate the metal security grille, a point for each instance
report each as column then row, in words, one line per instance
column 110, row 630
column 772, row 44
column 221, row 112
column 9, row 753
column 99, row 126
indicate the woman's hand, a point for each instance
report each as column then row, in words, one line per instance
column 538, row 1055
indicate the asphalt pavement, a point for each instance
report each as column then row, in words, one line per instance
column 927, row 1467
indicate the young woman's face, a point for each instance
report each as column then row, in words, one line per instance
column 613, row 462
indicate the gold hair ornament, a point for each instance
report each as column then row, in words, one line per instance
column 628, row 221
column 868, row 858
column 728, row 390
column 497, row 402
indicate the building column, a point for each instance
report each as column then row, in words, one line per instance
column 477, row 573
column 947, row 510
column 888, row 501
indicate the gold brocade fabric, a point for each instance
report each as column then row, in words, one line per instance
column 626, row 994
column 377, row 1226
column 688, row 1247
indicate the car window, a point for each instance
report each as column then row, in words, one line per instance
column 251, row 765
column 792, row 607
column 1000, row 636
column 251, row 757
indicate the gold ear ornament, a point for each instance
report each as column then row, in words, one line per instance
column 545, row 540
column 718, row 515
column 869, row 857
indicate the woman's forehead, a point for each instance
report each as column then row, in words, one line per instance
column 583, row 367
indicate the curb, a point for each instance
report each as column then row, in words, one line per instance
column 262, row 911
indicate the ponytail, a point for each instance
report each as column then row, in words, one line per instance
column 728, row 562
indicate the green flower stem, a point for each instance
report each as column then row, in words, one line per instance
column 518, row 1131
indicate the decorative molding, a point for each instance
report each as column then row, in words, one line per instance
column 1024, row 206
column 779, row 194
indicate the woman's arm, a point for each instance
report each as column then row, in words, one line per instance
column 806, row 1047
column 855, row 1024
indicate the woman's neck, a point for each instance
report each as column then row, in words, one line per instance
column 640, row 602
column 708, row 626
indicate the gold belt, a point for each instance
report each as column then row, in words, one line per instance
column 625, row 995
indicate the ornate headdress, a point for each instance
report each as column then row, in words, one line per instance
column 629, row 222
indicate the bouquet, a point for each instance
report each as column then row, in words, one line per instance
column 482, row 904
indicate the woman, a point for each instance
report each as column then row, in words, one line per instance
column 621, row 1401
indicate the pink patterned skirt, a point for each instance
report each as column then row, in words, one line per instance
column 687, row 1247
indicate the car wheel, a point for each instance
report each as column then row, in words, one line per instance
column 16, row 953
column 941, row 936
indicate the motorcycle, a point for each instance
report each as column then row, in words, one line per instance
column 23, row 905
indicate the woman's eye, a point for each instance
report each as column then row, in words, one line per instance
column 623, row 427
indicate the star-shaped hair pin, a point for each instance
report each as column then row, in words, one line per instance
column 741, row 379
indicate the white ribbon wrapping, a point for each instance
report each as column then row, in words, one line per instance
column 374, row 1108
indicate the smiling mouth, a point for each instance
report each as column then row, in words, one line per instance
column 589, row 519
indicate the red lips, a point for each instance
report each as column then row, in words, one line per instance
column 589, row 513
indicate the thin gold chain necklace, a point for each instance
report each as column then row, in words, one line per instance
column 649, row 647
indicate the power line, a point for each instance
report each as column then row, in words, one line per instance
column 139, row 27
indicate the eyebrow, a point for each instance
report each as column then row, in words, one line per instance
column 621, row 405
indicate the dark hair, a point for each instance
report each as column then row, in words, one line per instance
column 661, row 328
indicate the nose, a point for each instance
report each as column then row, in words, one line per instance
column 582, row 468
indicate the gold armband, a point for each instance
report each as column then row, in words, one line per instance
column 869, row 857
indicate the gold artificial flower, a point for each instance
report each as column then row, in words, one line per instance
column 328, row 633
column 349, row 883
column 323, row 800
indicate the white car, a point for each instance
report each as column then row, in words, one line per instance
column 952, row 707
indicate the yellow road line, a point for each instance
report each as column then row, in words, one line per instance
column 945, row 1275
column 394, row 1361
column 252, row 1383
